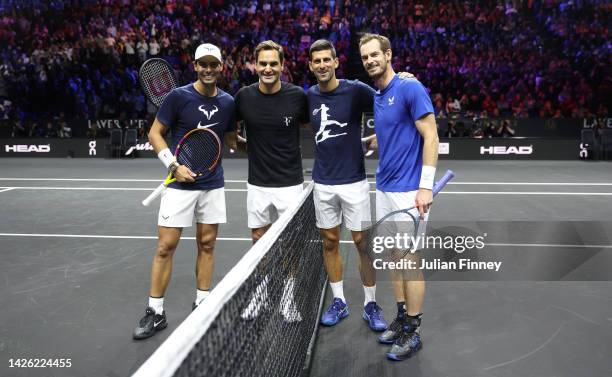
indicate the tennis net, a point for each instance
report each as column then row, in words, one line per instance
column 261, row 319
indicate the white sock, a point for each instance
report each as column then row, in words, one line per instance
column 370, row 294
column 338, row 290
column 157, row 303
column 201, row 296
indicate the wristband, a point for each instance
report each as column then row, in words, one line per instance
column 428, row 174
column 166, row 157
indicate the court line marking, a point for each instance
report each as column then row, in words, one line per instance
column 530, row 353
column 244, row 181
column 532, row 183
column 371, row 192
column 96, row 188
column 549, row 245
column 108, row 236
column 524, row 193
column 98, row 180
column 249, row 240
column 7, row 189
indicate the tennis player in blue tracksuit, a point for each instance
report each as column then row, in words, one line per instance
column 407, row 140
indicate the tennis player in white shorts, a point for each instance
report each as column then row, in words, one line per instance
column 341, row 191
column 189, row 198
column 271, row 112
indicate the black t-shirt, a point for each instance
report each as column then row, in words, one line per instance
column 272, row 124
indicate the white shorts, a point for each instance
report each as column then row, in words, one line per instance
column 178, row 207
column 387, row 202
column 351, row 201
column 266, row 204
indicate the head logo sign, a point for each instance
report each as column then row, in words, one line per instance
column 25, row 148
column 503, row 150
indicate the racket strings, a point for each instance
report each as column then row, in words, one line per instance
column 157, row 80
column 199, row 152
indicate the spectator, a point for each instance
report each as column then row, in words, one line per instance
column 507, row 59
column 49, row 131
column 154, row 48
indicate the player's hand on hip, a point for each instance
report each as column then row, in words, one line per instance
column 424, row 198
column 183, row 174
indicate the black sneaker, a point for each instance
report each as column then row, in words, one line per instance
column 149, row 324
column 405, row 346
column 393, row 332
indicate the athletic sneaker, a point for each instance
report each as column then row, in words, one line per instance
column 149, row 324
column 337, row 310
column 372, row 314
column 393, row 331
column 405, row 346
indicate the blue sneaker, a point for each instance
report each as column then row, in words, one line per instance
column 405, row 346
column 337, row 310
column 372, row 314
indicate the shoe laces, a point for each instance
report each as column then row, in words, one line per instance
column 375, row 310
column 407, row 337
column 150, row 313
column 336, row 306
column 396, row 325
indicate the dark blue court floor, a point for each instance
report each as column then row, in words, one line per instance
column 76, row 254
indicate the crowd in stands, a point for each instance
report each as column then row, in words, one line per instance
column 80, row 58
column 504, row 59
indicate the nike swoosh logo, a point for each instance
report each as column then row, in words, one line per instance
column 165, row 217
column 157, row 323
column 207, row 125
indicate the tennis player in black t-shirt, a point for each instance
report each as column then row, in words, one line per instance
column 271, row 112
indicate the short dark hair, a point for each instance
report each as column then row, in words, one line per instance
column 269, row 45
column 384, row 42
column 322, row 45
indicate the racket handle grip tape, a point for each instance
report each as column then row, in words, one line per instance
column 152, row 196
column 443, row 181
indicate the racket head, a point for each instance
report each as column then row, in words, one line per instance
column 157, row 79
column 199, row 150
column 394, row 236
column 402, row 224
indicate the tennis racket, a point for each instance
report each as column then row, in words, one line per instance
column 157, row 79
column 199, row 150
column 403, row 223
